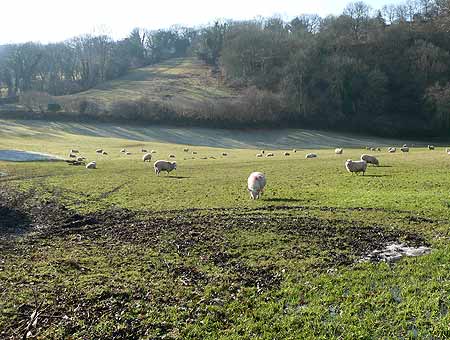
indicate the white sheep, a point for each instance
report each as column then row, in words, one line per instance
column 259, row 155
column 262, row 151
column 91, row 165
column 71, row 155
column 370, row 159
column 404, row 149
column 338, row 151
column 162, row 165
column 255, row 184
column 144, row 150
column 447, row 150
column 194, row 152
column 356, row 166
column 270, row 154
column 123, row 150
column 224, row 154
column 287, row 154
column 74, row 151
column 186, row 150
column 392, row 149
column 99, row 150
column 311, row 155
column 378, row 149
column 171, row 156
column 294, row 150
column 430, row 147
column 147, row 157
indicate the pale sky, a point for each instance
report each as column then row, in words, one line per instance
column 57, row 20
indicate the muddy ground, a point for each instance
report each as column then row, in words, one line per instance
column 216, row 238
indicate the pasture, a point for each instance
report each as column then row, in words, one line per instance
column 119, row 252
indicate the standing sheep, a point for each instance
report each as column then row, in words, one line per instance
column 162, row 165
column 74, row 151
column 147, row 157
column 391, row 149
column 404, row 149
column 259, row 155
column 255, row 184
column 144, row 150
column 287, row 154
column 123, row 150
column 430, row 147
column 224, row 154
column 186, row 150
column 91, row 165
column 356, row 166
column 294, row 150
column 99, row 150
column 370, row 159
column 338, row 151
column 311, row 155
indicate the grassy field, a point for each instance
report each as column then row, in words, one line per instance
column 121, row 253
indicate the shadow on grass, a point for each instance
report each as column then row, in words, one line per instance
column 280, row 199
column 377, row 176
column 177, row 177
column 384, row 166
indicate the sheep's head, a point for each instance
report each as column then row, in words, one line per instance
column 174, row 165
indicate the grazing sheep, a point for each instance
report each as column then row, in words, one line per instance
column 128, row 153
column 370, row 159
column 356, row 166
column 430, row 147
column 153, row 151
column 171, row 156
column 311, row 155
column 270, row 154
column 287, row 154
column 294, row 150
column 338, row 151
column 162, row 165
column 123, row 150
column 255, row 184
column 71, row 155
column 186, row 150
column 404, row 149
column 104, row 153
column 259, row 155
column 147, row 157
column 372, row 149
column 91, row 165
column 262, row 151
column 144, row 150
column 224, row 154
column 378, row 149
column 392, row 149
column 99, row 150
column 74, row 151
column 194, row 152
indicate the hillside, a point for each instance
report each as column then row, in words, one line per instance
column 182, row 82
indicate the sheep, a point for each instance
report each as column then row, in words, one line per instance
column 153, row 151
column 147, row 157
column 194, row 152
column 378, row 149
column 430, row 147
column 123, row 150
column 71, row 155
column 404, row 149
column 255, row 184
column 91, row 165
column 104, row 153
column 74, row 151
column 287, row 154
column 171, row 156
column 392, row 149
column 186, row 150
column 356, row 166
column 311, row 155
column 144, row 150
column 259, row 155
column 370, row 159
column 294, row 150
column 162, row 165
column 338, row 151
column 224, row 154
column 263, row 151
column 404, row 146
column 372, row 149
column 270, row 154
column 80, row 159
column 99, row 150
column 447, row 150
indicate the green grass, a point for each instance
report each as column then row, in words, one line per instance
column 283, row 267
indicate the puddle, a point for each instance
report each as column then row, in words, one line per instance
column 395, row 252
column 25, row 156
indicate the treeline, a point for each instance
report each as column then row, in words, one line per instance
column 384, row 71
column 85, row 61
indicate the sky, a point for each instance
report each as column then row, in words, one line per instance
column 57, row 20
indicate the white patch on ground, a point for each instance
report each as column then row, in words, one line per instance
column 3, row 174
column 395, row 252
column 25, row 156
